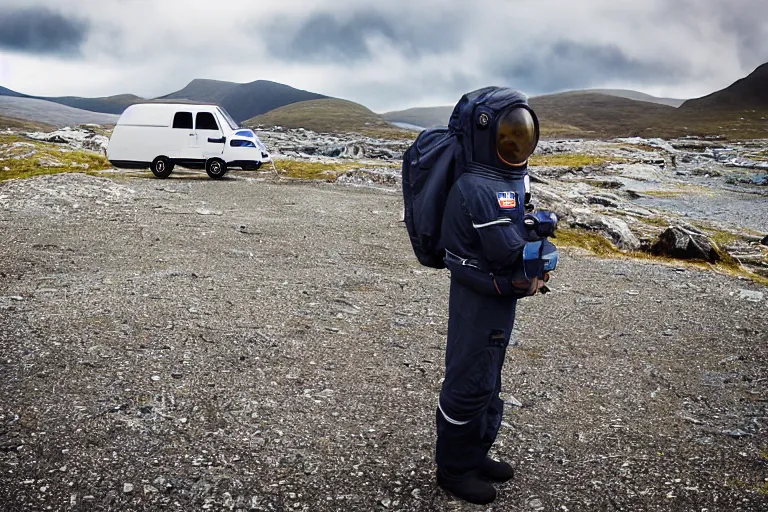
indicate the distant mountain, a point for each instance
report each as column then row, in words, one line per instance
column 42, row 111
column 579, row 113
column 7, row 92
column 749, row 93
column 243, row 101
column 428, row 117
column 328, row 115
column 107, row 105
column 595, row 114
column 636, row 95
column 425, row 117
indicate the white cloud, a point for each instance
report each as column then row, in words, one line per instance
column 399, row 53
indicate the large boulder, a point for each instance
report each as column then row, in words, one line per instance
column 638, row 172
column 616, row 229
column 685, row 243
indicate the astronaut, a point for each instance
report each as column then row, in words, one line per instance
column 485, row 236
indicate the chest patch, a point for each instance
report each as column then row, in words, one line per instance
column 507, row 200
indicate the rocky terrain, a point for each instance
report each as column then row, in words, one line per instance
column 270, row 343
column 630, row 191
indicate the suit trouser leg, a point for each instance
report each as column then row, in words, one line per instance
column 469, row 410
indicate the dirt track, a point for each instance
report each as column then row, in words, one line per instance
column 188, row 344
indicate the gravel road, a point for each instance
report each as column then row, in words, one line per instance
column 189, row 344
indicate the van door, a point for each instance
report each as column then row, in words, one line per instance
column 184, row 136
column 209, row 135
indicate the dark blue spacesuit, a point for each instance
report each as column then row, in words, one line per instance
column 484, row 235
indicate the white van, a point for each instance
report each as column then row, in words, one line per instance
column 160, row 136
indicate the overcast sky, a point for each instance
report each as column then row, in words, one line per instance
column 386, row 54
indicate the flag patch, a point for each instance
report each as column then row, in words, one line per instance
column 507, row 200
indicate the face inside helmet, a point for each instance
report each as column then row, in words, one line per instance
column 517, row 134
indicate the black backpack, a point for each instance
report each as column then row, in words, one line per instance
column 434, row 162
column 431, row 166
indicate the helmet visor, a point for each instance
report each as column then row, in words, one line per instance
column 516, row 136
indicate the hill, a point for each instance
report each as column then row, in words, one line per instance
column 636, row 95
column 4, row 91
column 329, row 115
column 42, row 111
column 426, row 117
column 593, row 114
column 107, row 105
column 243, row 101
column 749, row 93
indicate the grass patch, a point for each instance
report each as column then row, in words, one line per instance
column 655, row 221
column 313, row 170
column 572, row 160
column 679, row 190
column 664, row 194
column 604, row 184
column 390, row 134
column 600, row 246
column 592, row 242
column 15, row 124
column 24, row 158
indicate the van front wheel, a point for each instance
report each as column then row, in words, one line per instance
column 215, row 168
column 162, row 167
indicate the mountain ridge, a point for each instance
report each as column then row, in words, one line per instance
column 328, row 115
column 738, row 110
column 749, row 92
column 243, row 100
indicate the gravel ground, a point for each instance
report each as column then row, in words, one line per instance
column 191, row 344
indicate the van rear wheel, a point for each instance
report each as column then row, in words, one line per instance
column 162, row 167
column 216, row 168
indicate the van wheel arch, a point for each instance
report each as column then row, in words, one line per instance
column 216, row 168
column 162, row 166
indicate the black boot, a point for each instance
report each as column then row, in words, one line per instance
column 469, row 487
column 496, row 471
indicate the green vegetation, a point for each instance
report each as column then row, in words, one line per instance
column 605, row 184
column 331, row 116
column 602, row 247
column 592, row 242
column 313, row 170
column 682, row 189
column 23, row 125
column 572, row 160
column 655, row 221
column 37, row 158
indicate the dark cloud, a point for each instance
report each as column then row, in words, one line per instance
column 749, row 25
column 324, row 36
column 41, row 31
column 743, row 22
column 568, row 65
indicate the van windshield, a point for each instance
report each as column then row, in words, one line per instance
column 231, row 122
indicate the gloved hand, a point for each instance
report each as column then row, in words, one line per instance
column 530, row 288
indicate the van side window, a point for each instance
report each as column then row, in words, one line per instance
column 182, row 120
column 206, row 121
